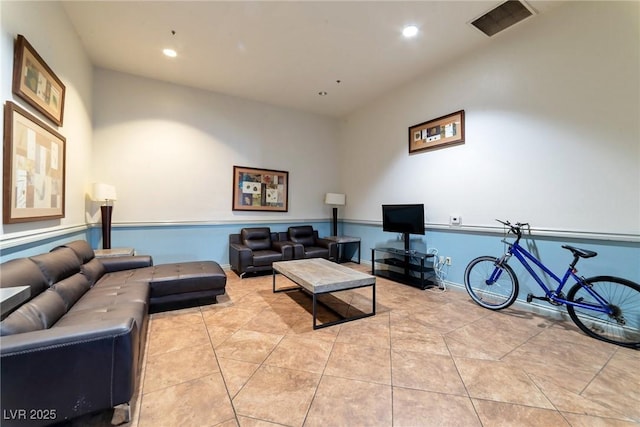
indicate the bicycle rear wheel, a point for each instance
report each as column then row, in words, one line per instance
column 490, row 285
column 622, row 327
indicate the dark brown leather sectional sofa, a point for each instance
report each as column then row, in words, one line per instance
column 74, row 347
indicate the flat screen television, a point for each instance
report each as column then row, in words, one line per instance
column 408, row 219
column 405, row 219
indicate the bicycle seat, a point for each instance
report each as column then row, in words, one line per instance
column 582, row 253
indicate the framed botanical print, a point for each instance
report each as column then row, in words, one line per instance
column 33, row 168
column 36, row 83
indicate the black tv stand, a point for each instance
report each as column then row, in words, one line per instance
column 404, row 266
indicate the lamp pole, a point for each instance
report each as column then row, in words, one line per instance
column 106, row 211
column 336, row 200
column 107, row 193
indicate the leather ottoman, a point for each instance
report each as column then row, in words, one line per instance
column 188, row 284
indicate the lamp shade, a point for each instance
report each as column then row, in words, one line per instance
column 335, row 199
column 103, row 191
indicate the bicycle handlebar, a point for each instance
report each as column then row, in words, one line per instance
column 515, row 228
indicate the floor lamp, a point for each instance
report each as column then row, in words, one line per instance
column 336, row 200
column 107, row 193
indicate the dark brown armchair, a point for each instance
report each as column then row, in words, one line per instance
column 307, row 244
column 255, row 249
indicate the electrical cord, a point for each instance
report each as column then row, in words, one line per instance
column 438, row 268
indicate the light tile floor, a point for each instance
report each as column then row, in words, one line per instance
column 426, row 359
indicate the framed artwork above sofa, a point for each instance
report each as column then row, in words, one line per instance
column 36, row 83
column 34, row 168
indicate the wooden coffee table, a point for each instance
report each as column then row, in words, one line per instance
column 318, row 276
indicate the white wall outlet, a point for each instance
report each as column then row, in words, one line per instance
column 455, row 220
column 447, row 260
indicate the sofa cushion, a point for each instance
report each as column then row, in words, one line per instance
column 110, row 296
column 316, row 252
column 57, row 265
column 118, row 278
column 266, row 258
column 71, row 289
column 258, row 238
column 81, row 248
column 23, row 272
column 93, row 270
column 129, row 262
column 110, row 301
column 39, row 313
column 185, row 277
column 303, row 235
column 182, row 285
column 122, row 310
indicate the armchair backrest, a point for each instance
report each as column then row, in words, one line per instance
column 304, row 234
column 258, row 238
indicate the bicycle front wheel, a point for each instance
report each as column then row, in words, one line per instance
column 491, row 285
column 622, row 325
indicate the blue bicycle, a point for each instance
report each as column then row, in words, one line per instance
column 604, row 307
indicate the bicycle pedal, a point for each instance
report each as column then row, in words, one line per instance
column 531, row 297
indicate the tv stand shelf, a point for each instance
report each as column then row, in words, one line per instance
column 404, row 266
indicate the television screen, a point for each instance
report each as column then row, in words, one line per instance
column 403, row 218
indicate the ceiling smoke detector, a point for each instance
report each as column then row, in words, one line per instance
column 502, row 17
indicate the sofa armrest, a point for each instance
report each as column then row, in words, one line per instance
column 285, row 247
column 329, row 244
column 67, row 371
column 298, row 250
column 240, row 257
column 325, row 243
column 119, row 263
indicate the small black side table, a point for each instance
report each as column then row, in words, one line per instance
column 345, row 241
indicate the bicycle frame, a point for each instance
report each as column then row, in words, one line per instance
column 554, row 296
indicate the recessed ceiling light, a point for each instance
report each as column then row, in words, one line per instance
column 170, row 53
column 322, row 93
column 410, row 31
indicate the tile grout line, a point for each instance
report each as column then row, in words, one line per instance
column 315, row 392
column 598, row 373
column 466, row 389
column 224, row 381
column 391, row 368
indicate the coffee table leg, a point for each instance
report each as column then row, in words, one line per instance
column 314, row 311
column 374, row 299
column 274, row 281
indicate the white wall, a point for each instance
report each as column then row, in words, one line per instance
column 552, row 130
column 554, row 99
column 46, row 27
column 170, row 150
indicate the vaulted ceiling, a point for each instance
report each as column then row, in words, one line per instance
column 284, row 53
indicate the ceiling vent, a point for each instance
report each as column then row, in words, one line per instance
column 502, row 17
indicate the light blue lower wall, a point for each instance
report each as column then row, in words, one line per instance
column 180, row 242
column 35, row 245
column 184, row 242
column 614, row 258
column 165, row 243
